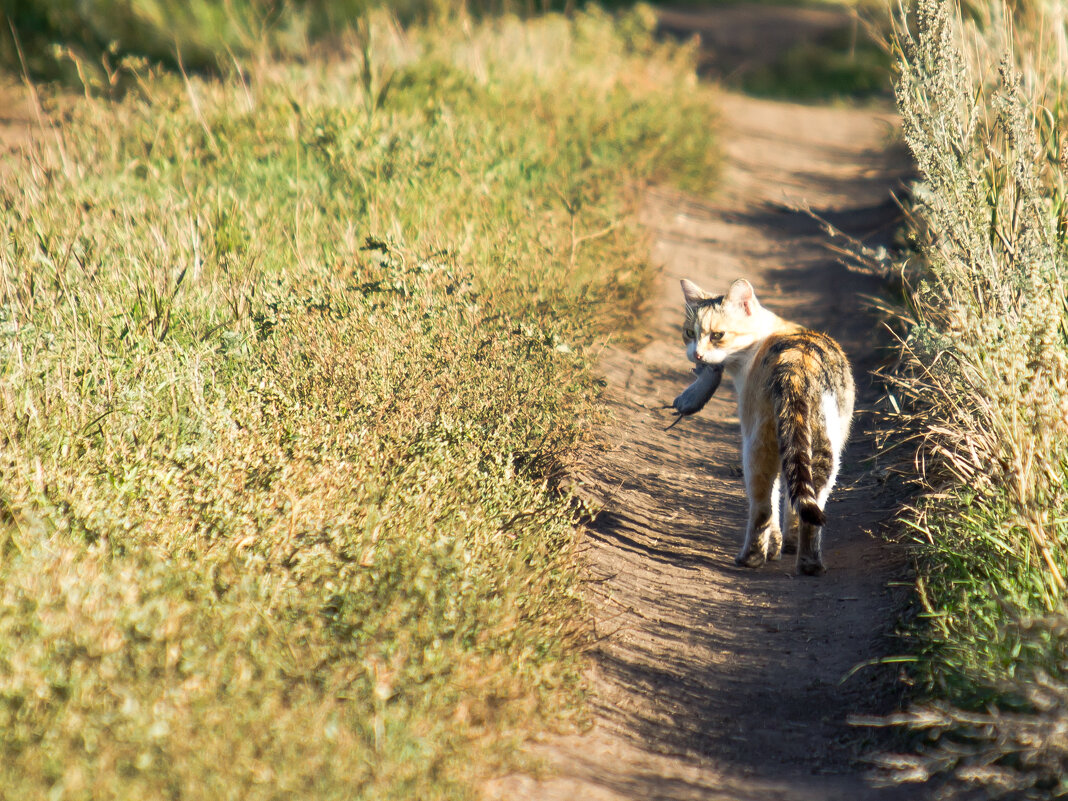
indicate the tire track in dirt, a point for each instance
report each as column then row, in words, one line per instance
column 713, row 681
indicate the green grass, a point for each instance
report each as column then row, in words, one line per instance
column 291, row 362
column 841, row 64
column 986, row 377
column 84, row 41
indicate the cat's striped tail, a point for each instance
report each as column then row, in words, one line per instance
column 792, row 413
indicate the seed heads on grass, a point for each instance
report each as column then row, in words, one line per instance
column 987, row 380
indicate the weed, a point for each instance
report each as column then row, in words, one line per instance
column 987, row 377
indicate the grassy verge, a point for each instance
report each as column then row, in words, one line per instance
column 288, row 363
column 85, row 41
column 983, row 102
column 843, row 64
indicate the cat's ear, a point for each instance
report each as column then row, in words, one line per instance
column 741, row 294
column 693, row 293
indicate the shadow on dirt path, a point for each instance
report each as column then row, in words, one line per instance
column 713, row 681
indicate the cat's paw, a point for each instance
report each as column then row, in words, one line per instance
column 775, row 545
column 754, row 558
column 811, row 566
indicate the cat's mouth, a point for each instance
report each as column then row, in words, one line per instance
column 714, row 359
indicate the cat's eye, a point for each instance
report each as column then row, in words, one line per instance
column 715, row 336
column 688, row 333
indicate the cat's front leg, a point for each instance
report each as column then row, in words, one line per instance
column 763, row 539
column 757, row 544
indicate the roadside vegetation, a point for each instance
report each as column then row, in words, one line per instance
column 291, row 359
column 70, row 40
column 84, row 43
column 843, row 64
column 984, row 101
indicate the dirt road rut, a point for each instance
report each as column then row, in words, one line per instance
column 713, row 681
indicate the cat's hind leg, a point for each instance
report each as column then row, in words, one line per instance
column 775, row 542
column 809, row 549
column 789, row 528
column 810, row 536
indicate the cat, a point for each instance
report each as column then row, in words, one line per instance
column 795, row 402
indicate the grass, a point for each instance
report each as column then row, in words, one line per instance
column 291, row 362
column 84, row 41
column 84, row 44
column 986, row 376
column 845, row 63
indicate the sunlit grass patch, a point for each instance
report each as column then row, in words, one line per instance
column 291, row 365
column 982, row 102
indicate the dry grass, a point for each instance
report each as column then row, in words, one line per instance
column 986, row 379
column 289, row 363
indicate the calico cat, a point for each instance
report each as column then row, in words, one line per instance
column 795, row 402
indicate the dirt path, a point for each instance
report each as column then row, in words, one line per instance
column 713, row 681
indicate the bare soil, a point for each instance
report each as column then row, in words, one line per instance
column 713, row 681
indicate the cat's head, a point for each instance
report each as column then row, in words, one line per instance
column 718, row 326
